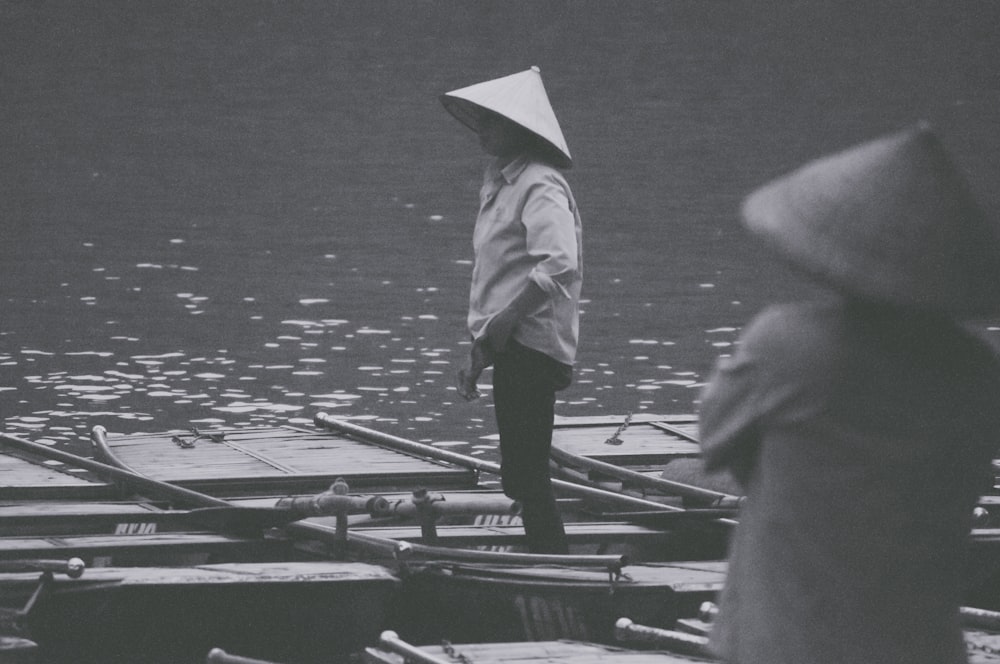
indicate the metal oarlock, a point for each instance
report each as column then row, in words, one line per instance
column 14, row 620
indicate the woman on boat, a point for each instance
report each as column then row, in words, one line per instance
column 525, row 293
column 861, row 425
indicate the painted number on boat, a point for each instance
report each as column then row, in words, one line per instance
column 547, row 619
column 135, row 529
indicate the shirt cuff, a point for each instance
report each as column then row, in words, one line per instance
column 549, row 286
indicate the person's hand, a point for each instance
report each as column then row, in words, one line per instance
column 479, row 358
column 465, row 383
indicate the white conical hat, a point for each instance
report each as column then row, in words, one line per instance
column 890, row 221
column 520, row 98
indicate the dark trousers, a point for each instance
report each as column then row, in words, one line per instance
column 525, row 383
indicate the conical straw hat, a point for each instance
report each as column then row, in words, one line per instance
column 889, row 221
column 520, row 98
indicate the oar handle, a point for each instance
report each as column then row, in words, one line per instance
column 390, row 641
column 220, row 656
column 627, row 631
column 73, row 568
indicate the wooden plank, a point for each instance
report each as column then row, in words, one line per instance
column 19, row 471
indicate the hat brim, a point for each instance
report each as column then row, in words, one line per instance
column 471, row 115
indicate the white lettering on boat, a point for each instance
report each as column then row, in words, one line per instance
column 135, row 529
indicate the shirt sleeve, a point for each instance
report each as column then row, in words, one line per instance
column 729, row 417
column 551, row 237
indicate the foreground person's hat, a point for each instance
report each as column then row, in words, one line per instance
column 889, row 221
column 520, row 98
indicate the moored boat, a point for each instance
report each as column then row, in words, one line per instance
column 451, row 551
column 294, row 611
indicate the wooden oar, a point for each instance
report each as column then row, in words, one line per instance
column 657, row 519
column 682, row 643
column 413, row 447
column 668, row 487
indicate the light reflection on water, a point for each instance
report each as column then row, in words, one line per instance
column 249, row 216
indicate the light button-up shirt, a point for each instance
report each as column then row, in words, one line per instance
column 528, row 228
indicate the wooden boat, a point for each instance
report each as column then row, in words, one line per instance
column 412, row 534
column 295, row 611
column 634, row 560
column 639, row 644
column 157, row 531
column 546, row 602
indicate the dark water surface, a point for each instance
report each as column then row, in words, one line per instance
column 246, row 212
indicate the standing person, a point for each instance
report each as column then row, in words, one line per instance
column 525, row 293
column 861, row 425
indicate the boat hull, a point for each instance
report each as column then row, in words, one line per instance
column 283, row 611
column 493, row 603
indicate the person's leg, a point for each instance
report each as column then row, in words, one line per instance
column 524, row 401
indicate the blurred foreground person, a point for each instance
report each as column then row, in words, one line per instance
column 525, row 293
column 861, row 426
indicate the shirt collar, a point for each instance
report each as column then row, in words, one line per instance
column 511, row 171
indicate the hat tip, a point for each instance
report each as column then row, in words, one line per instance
column 536, row 69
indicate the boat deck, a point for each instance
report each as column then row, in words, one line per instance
column 270, row 460
column 646, row 440
column 25, row 477
column 264, row 461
